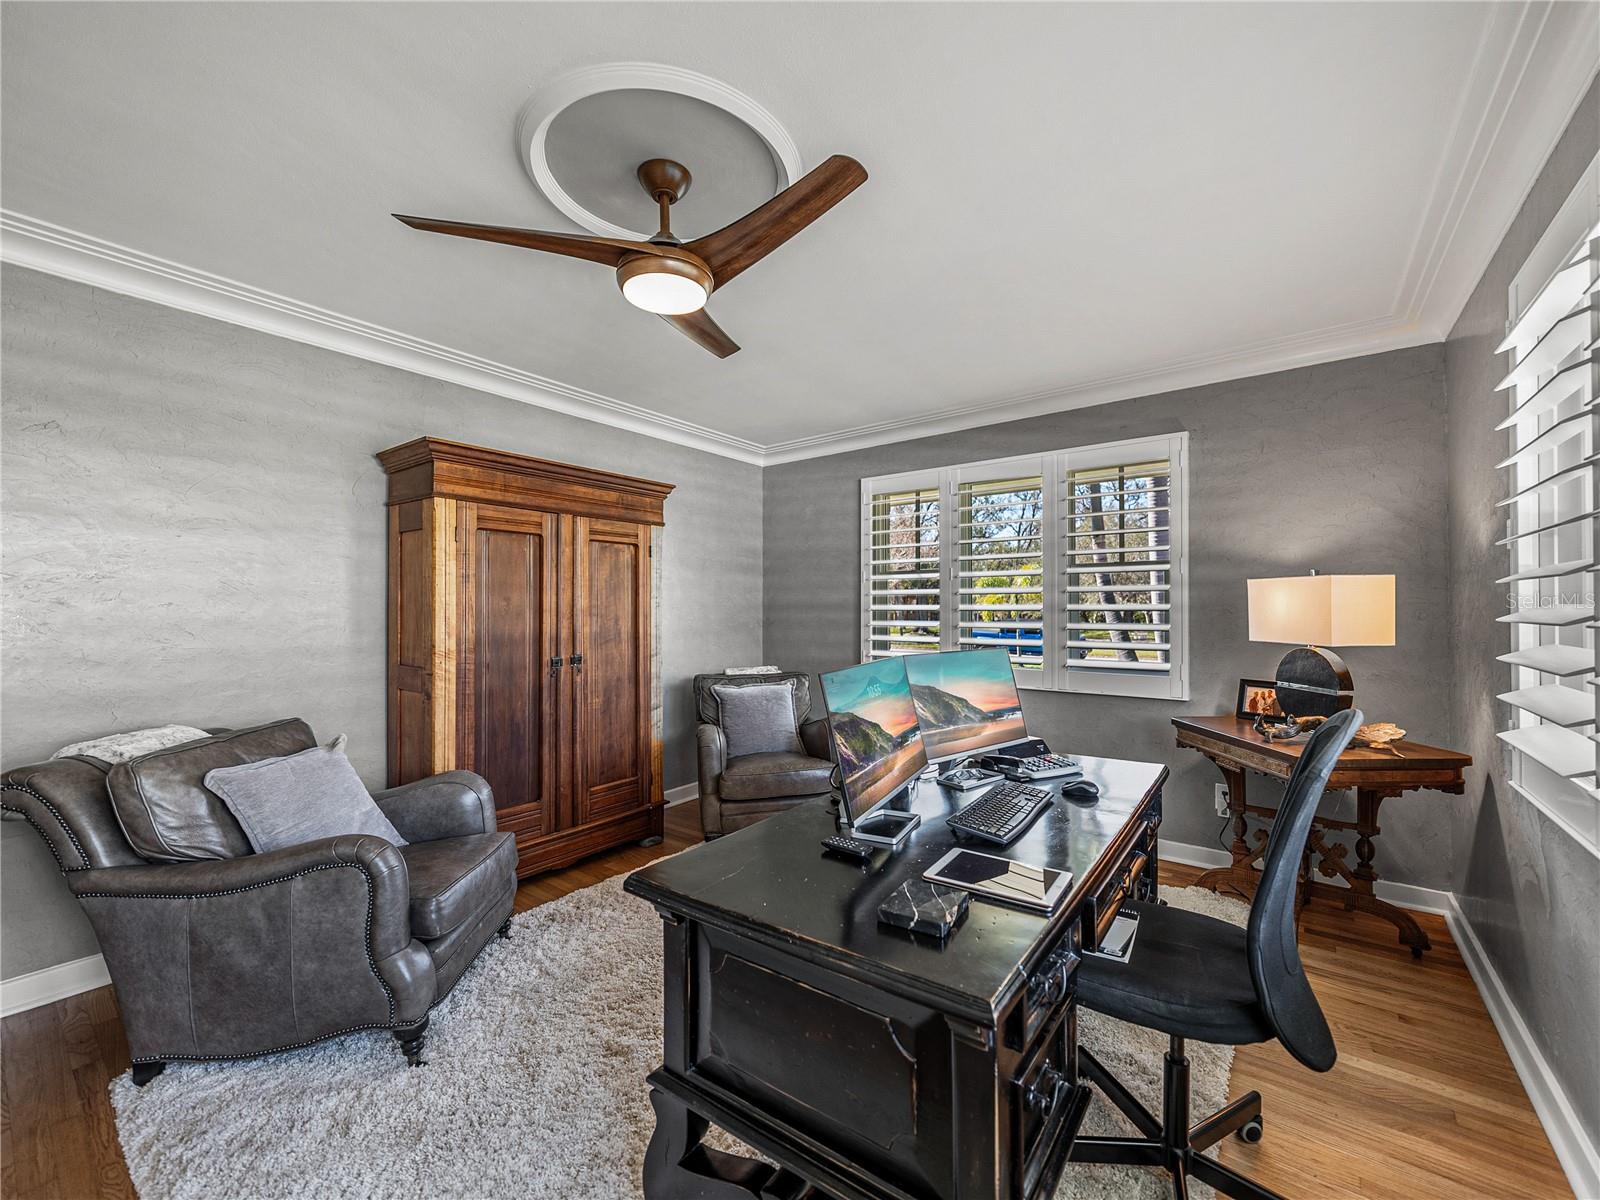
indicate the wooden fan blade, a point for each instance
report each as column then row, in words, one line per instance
column 735, row 248
column 609, row 251
column 701, row 328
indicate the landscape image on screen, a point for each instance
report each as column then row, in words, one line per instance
column 966, row 701
column 874, row 728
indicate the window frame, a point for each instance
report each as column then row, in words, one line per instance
column 1053, row 468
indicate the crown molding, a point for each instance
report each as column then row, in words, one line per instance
column 1263, row 358
column 41, row 246
column 1534, row 64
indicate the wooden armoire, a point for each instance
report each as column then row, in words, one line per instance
column 520, row 630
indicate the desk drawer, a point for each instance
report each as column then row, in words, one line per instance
column 1102, row 907
column 1049, row 984
column 1048, row 1105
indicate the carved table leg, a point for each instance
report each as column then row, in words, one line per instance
column 678, row 1167
column 1364, row 876
column 1237, row 875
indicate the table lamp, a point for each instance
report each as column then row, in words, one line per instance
column 1317, row 611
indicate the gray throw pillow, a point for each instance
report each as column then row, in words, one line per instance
column 300, row 798
column 758, row 718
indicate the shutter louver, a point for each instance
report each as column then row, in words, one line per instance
column 903, row 572
column 1550, row 530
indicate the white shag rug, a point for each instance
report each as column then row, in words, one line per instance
column 534, row 1086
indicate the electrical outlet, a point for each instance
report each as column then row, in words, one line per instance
column 1222, row 799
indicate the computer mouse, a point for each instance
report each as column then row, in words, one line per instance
column 1080, row 791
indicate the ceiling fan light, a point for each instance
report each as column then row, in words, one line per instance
column 667, row 286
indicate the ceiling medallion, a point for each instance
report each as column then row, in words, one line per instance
column 533, row 125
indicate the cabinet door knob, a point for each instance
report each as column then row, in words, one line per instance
column 555, row 667
column 577, row 663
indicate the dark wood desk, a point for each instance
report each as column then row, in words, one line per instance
column 868, row 1064
column 1374, row 774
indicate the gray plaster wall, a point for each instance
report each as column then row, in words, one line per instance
column 194, row 532
column 1338, row 467
column 1527, row 888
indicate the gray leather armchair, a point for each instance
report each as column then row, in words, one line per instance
column 742, row 789
column 234, row 957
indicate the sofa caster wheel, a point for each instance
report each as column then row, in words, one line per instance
column 651, row 841
column 505, row 930
column 1251, row 1131
column 411, row 1039
column 144, row 1072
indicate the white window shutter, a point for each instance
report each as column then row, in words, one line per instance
column 1073, row 562
column 1553, row 385
column 1123, row 567
column 901, row 575
column 1003, row 539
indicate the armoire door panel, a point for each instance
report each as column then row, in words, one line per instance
column 512, row 640
column 611, row 686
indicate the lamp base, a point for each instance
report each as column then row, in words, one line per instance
column 1313, row 682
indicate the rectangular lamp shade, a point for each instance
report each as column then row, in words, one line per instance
column 1323, row 610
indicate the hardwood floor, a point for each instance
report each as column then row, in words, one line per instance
column 1423, row 1103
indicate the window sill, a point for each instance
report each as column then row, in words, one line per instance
column 1579, row 820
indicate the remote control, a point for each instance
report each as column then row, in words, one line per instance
column 848, row 846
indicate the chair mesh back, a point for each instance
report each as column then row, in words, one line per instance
column 1280, row 981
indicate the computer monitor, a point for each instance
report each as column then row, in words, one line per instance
column 876, row 741
column 966, row 702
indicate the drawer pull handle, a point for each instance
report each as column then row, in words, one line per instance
column 1044, row 1093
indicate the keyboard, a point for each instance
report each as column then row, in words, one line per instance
column 1037, row 766
column 1001, row 814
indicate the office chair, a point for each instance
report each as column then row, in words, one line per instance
column 1193, row 976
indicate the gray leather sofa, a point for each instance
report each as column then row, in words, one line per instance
column 228, row 957
column 743, row 789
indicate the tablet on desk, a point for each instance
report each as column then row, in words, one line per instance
column 1022, row 884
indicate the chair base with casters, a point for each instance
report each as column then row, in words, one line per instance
column 1170, row 1142
column 1194, row 977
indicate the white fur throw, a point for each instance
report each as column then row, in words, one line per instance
column 124, row 747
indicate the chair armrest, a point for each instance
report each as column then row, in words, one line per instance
column 454, row 804
column 713, row 757
column 713, row 748
column 814, row 737
column 388, row 883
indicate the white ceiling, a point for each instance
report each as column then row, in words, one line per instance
column 1066, row 203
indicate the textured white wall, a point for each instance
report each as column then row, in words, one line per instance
column 194, row 531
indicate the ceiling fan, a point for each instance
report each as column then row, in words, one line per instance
column 671, row 278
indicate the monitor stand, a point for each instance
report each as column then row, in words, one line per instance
column 959, row 773
column 884, row 827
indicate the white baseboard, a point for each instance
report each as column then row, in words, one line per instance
column 23, row 992
column 681, row 795
column 1404, row 895
column 1574, row 1145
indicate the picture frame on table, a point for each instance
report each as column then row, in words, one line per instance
column 1257, row 698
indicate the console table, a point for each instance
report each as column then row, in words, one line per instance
column 865, row 1062
column 1375, row 774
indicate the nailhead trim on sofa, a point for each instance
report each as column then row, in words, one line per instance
column 60, row 820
